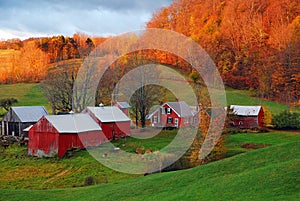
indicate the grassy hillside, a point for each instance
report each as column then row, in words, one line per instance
column 243, row 97
column 32, row 94
column 264, row 174
column 18, row 171
column 26, row 94
column 233, row 143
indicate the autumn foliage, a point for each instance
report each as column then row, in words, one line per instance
column 255, row 45
column 30, row 60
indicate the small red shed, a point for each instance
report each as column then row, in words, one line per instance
column 248, row 116
column 124, row 106
column 55, row 134
column 113, row 121
column 174, row 114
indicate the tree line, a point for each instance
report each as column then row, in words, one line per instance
column 30, row 60
column 255, row 45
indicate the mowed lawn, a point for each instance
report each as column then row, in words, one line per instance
column 270, row 173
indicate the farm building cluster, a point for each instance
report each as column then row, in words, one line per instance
column 52, row 135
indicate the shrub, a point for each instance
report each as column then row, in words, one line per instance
column 92, row 180
column 286, row 120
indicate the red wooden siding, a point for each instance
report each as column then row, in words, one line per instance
column 45, row 140
column 120, row 129
column 250, row 121
column 81, row 141
column 162, row 119
column 173, row 115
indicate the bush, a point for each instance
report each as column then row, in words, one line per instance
column 90, row 181
column 286, row 120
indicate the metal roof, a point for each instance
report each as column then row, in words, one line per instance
column 152, row 111
column 25, row 114
column 245, row 110
column 73, row 123
column 28, row 128
column 124, row 104
column 108, row 114
column 181, row 108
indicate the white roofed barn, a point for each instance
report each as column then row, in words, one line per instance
column 19, row 118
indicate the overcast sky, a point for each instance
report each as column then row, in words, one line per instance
column 32, row 18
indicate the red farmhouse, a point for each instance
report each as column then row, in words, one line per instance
column 174, row 114
column 113, row 121
column 55, row 134
column 124, row 106
column 248, row 116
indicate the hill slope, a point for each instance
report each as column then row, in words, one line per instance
column 26, row 94
column 271, row 173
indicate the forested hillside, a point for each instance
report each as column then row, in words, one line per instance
column 29, row 60
column 255, row 44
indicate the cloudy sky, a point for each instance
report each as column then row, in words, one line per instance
column 33, row 18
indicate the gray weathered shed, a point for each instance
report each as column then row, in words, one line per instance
column 19, row 118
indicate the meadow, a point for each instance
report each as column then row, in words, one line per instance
column 269, row 173
column 26, row 94
column 33, row 94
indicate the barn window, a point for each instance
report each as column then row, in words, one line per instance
column 170, row 120
column 169, row 110
column 155, row 119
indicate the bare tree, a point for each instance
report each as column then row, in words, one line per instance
column 143, row 99
column 6, row 103
column 59, row 84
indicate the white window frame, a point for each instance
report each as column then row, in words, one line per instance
column 176, row 122
column 155, row 119
column 168, row 110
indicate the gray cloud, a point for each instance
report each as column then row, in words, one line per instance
column 94, row 17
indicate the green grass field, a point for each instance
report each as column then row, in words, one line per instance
column 264, row 174
column 18, row 171
column 33, row 94
column 243, row 97
column 271, row 173
column 26, row 94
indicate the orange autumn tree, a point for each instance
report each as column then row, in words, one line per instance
column 253, row 43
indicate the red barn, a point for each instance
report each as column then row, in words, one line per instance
column 113, row 121
column 248, row 116
column 124, row 106
column 55, row 134
column 174, row 114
